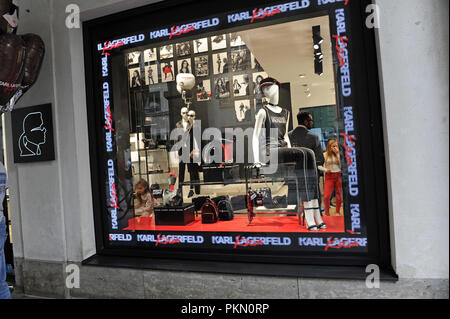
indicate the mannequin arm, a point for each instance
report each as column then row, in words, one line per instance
column 260, row 118
column 286, row 137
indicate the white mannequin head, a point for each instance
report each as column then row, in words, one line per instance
column 271, row 90
column 272, row 93
column 184, row 114
column 191, row 116
column 185, row 82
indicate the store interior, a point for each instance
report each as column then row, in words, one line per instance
column 148, row 107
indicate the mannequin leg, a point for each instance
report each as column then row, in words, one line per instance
column 317, row 215
column 181, row 171
column 309, row 216
column 195, row 177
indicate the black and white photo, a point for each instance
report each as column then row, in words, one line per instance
column 203, row 90
column 240, row 60
column 184, row 48
column 241, row 85
column 134, row 58
column 220, row 63
column 201, row 45
column 150, row 55
column 201, row 66
column 151, row 74
column 257, row 78
column 222, row 88
column 167, row 71
column 184, row 66
column 135, row 77
column 242, row 111
column 219, row 42
column 166, row 52
column 236, row 40
column 255, row 63
column 259, row 97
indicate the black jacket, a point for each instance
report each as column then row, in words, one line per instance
column 302, row 137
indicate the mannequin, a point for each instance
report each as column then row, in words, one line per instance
column 272, row 116
column 187, row 123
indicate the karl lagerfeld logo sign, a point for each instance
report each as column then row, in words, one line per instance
column 33, row 134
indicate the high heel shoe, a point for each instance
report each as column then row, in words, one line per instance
column 309, row 220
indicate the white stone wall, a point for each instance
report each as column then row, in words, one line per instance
column 51, row 202
column 413, row 50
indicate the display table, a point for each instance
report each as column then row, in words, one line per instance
column 255, row 177
column 174, row 216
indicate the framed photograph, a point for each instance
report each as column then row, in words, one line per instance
column 240, row 60
column 184, row 65
column 203, row 90
column 184, row 48
column 150, row 55
column 222, row 87
column 220, row 63
column 257, row 78
column 166, row 52
column 241, row 85
column 255, row 64
column 236, row 40
column 243, row 113
column 219, row 42
column 135, row 77
column 201, row 66
column 167, row 71
column 151, row 74
column 134, row 58
column 201, row 45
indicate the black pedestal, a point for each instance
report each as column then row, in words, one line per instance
column 174, row 216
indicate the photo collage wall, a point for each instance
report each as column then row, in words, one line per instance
column 225, row 70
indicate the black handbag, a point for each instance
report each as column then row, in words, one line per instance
column 263, row 197
column 199, row 201
column 225, row 210
column 172, row 198
column 210, row 213
column 156, row 191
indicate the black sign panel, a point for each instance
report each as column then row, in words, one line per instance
column 32, row 130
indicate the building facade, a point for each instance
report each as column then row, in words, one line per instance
column 56, row 205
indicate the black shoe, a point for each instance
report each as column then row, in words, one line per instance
column 191, row 193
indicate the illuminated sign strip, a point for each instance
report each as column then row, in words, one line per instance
column 109, row 142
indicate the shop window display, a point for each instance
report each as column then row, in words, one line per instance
column 171, row 101
column 240, row 87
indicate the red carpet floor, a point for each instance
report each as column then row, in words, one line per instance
column 282, row 224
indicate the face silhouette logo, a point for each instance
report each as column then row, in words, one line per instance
column 33, row 135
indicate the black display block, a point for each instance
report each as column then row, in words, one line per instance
column 174, row 216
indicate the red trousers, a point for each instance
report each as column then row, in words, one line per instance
column 333, row 181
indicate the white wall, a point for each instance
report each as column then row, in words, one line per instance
column 51, row 203
column 413, row 47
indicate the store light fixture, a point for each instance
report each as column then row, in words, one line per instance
column 318, row 54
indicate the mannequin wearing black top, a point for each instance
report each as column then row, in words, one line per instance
column 272, row 116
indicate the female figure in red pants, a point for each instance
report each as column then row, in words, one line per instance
column 333, row 180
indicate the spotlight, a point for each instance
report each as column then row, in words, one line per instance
column 317, row 38
column 318, row 54
column 318, row 67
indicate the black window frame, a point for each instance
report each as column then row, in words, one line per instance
column 332, row 265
